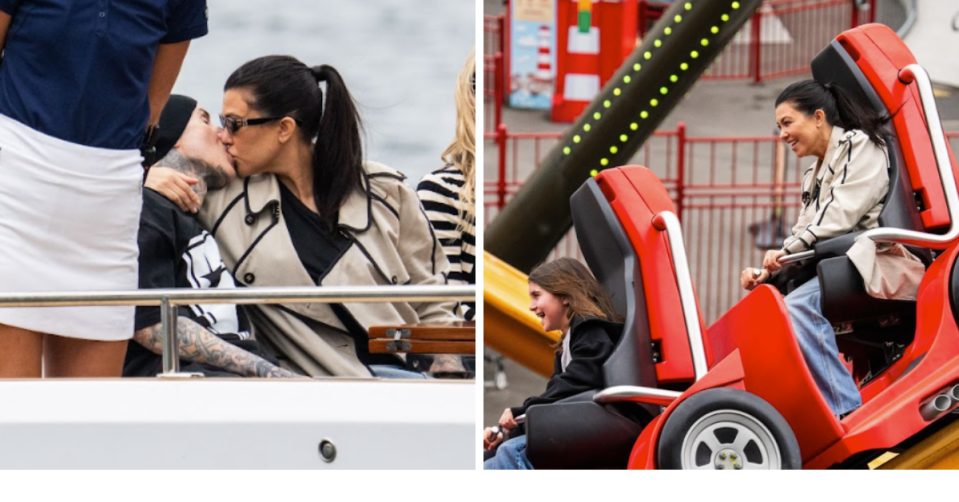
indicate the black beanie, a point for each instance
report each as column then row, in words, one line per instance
column 173, row 120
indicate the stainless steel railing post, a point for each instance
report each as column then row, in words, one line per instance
column 168, row 321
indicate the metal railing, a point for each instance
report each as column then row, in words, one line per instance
column 168, row 299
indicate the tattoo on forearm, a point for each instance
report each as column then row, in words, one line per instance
column 197, row 344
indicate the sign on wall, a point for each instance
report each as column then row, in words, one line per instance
column 532, row 68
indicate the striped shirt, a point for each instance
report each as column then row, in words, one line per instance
column 439, row 193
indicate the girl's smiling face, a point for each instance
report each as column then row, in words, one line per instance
column 553, row 311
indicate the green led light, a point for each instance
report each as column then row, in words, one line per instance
column 689, row 6
column 668, row 30
column 626, row 79
column 637, row 67
column 606, row 104
column 617, row 92
column 623, row 138
column 735, row 5
column 597, row 115
column 725, row 17
column 576, row 139
column 613, row 150
column 677, row 18
column 714, row 30
column 643, row 114
column 647, row 54
column 704, row 42
column 586, row 127
column 603, row 162
column 634, row 126
column 673, row 78
column 593, row 173
column 654, row 102
column 566, row 150
column 657, row 43
column 694, row 54
column 684, row 66
column 663, row 90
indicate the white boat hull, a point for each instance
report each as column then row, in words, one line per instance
column 236, row 424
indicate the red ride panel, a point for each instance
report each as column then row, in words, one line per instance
column 880, row 54
column 636, row 196
column 774, row 367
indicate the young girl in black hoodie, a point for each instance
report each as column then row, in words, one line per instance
column 566, row 298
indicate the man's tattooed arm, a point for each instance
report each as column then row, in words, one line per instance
column 200, row 346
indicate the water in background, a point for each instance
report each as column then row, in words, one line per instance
column 399, row 59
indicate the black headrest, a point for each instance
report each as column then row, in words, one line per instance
column 611, row 258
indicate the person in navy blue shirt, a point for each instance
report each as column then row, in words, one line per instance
column 81, row 81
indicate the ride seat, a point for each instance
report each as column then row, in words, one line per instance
column 844, row 299
column 576, row 431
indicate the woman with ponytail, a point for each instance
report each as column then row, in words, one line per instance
column 843, row 192
column 307, row 210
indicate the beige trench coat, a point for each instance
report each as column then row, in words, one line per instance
column 392, row 243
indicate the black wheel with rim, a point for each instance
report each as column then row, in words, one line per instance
column 727, row 429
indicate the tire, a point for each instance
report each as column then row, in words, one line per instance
column 730, row 429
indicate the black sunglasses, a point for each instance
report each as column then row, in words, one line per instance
column 233, row 125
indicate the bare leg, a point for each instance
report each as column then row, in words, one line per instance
column 20, row 352
column 73, row 357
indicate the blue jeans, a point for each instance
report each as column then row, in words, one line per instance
column 817, row 341
column 385, row 371
column 511, row 455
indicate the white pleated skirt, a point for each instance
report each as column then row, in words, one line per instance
column 69, row 216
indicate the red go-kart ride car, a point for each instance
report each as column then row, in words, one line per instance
column 738, row 395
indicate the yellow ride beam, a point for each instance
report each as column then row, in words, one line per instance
column 508, row 325
column 939, row 451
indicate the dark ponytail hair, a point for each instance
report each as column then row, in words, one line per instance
column 284, row 86
column 840, row 109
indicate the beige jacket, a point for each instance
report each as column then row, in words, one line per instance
column 392, row 243
column 844, row 194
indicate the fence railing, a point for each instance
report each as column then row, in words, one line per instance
column 168, row 299
column 736, row 197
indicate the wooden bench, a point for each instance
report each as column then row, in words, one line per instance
column 457, row 337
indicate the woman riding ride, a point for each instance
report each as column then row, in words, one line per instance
column 843, row 192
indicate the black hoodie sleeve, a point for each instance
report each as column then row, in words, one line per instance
column 591, row 348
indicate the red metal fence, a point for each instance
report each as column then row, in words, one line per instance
column 735, row 198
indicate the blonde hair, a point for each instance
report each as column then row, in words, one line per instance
column 462, row 151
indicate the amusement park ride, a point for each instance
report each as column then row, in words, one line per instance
column 738, row 395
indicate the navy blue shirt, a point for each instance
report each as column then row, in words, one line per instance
column 79, row 70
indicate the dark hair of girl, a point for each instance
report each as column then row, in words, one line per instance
column 282, row 86
column 840, row 109
column 570, row 280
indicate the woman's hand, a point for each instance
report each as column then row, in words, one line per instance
column 506, row 421
column 175, row 186
column 771, row 261
column 752, row 277
column 492, row 438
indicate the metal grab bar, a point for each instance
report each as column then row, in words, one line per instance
column 242, row 296
column 789, row 258
column 630, row 393
column 909, row 74
column 168, row 299
column 668, row 221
